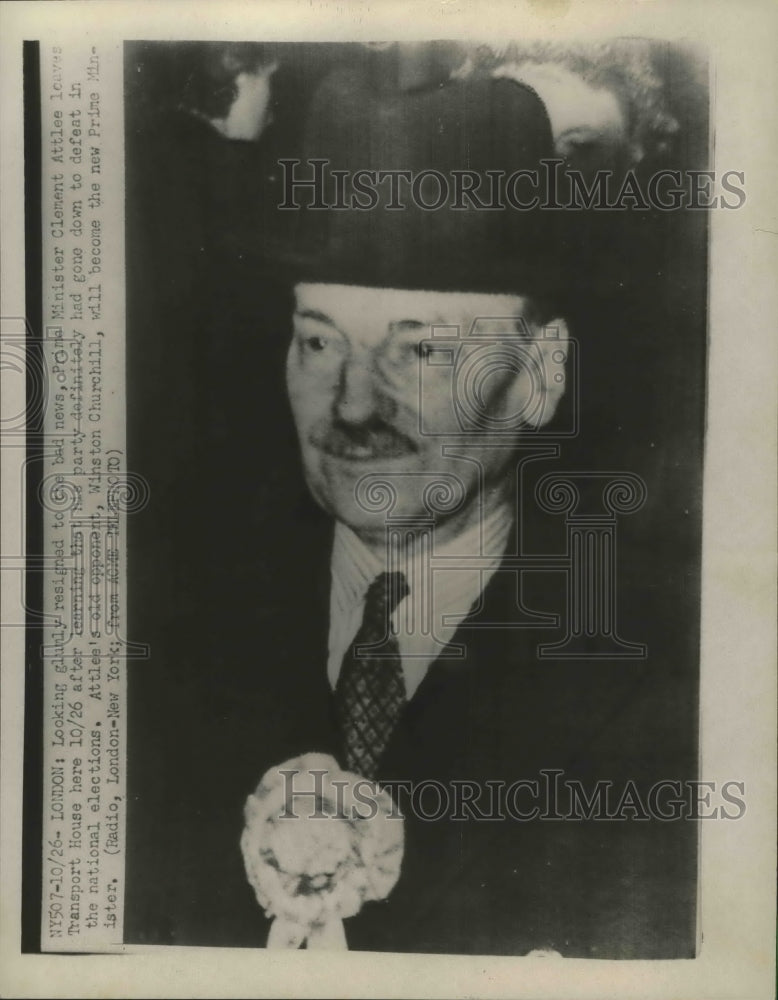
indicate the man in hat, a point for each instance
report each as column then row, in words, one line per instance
column 428, row 347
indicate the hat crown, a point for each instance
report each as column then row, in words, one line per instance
column 410, row 187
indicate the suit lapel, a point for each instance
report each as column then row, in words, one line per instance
column 499, row 713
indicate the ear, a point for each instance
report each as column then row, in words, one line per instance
column 541, row 385
column 553, row 344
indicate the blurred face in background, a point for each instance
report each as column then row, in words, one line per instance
column 583, row 117
column 250, row 113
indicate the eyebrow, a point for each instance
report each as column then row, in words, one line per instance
column 394, row 327
column 314, row 314
column 408, row 324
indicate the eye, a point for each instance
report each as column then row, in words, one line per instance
column 407, row 352
column 317, row 346
column 314, row 343
column 315, row 334
column 428, row 351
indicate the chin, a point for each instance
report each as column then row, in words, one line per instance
column 368, row 526
column 333, row 484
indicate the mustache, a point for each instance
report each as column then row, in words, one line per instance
column 372, row 439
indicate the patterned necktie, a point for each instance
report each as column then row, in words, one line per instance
column 370, row 693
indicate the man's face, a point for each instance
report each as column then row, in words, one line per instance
column 376, row 392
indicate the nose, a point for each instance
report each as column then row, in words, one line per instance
column 358, row 397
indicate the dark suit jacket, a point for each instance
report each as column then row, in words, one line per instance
column 242, row 686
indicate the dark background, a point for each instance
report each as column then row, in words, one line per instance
column 208, row 422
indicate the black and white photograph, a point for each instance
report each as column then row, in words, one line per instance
column 389, row 499
column 425, row 467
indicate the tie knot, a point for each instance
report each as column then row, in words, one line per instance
column 384, row 594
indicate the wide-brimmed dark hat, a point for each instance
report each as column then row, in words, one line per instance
column 366, row 224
